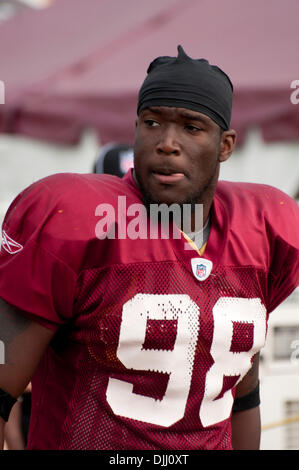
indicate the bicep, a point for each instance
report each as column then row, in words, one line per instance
column 23, row 342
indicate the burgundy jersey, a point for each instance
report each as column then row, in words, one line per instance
column 151, row 338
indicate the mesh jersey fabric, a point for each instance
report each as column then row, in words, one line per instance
column 145, row 356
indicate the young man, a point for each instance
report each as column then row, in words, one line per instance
column 138, row 341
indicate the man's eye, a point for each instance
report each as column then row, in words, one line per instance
column 191, row 128
column 151, row 122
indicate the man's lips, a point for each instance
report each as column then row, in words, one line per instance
column 168, row 177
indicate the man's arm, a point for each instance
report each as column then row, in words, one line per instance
column 25, row 342
column 246, row 425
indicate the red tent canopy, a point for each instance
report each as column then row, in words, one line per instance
column 80, row 63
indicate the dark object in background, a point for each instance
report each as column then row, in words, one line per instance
column 114, row 159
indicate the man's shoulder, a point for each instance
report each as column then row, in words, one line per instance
column 69, row 185
column 62, row 205
column 261, row 197
column 238, row 188
column 259, row 209
column 72, row 191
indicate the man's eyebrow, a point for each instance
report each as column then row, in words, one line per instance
column 154, row 110
column 193, row 117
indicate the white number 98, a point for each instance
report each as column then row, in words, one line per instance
column 178, row 362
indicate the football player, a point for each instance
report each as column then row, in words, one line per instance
column 138, row 341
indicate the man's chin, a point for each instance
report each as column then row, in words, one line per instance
column 149, row 198
column 150, row 201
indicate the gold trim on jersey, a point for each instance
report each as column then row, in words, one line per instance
column 193, row 244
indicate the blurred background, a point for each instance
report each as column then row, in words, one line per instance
column 70, row 71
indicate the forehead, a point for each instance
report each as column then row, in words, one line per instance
column 173, row 113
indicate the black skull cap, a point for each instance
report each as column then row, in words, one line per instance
column 184, row 82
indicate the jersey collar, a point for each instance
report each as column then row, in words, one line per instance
column 214, row 248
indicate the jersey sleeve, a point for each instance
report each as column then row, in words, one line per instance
column 282, row 224
column 35, row 276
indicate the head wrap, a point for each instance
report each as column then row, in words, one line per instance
column 183, row 82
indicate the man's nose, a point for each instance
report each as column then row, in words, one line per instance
column 168, row 143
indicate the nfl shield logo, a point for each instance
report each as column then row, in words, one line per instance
column 201, row 268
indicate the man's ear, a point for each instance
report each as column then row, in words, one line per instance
column 227, row 145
